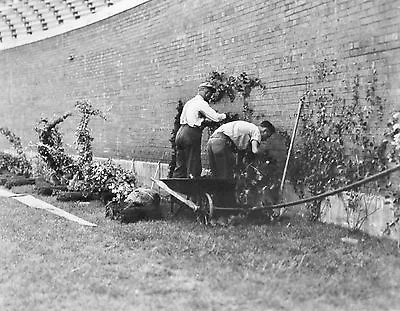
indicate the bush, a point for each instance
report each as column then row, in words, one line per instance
column 104, row 177
column 15, row 164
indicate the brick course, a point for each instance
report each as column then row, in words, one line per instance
column 139, row 63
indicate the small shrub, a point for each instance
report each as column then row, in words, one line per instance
column 392, row 136
column 58, row 163
column 104, row 177
column 84, row 139
column 16, row 164
column 338, row 139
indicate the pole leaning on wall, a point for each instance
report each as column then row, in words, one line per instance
column 301, row 102
column 291, row 144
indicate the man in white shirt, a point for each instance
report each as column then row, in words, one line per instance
column 188, row 137
column 235, row 137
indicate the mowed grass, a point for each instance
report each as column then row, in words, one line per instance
column 50, row 263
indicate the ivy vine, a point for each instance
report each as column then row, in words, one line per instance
column 177, row 124
column 84, row 138
column 338, row 145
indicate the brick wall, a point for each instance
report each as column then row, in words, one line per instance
column 137, row 64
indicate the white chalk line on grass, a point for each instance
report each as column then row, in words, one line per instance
column 31, row 201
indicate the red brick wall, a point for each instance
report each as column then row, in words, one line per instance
column 137, row 64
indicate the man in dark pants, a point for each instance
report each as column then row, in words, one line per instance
column 188, row 137
column 234, row 138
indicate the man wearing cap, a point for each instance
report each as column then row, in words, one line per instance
column 188, row 137
column 235, row 137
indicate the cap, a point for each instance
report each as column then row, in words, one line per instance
column 206, row 84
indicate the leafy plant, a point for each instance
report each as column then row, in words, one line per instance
column 177, row 124
column 13, row 139
column 392, row 136
column 16, row 164
column 258, row 183
column 83, row 135
column 338, row 145
column 103, row 177
column 51, row 149
column 81, row 174
column 232, row 86
column 96, row 176
column 359, row 206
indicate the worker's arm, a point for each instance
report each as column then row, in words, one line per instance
column 252, row 151
column 254, row 146
column 211, row 114
column 246, row 156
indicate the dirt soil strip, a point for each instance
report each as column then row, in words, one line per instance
column 36, row 203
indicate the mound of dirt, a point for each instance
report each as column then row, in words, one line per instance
column 141, row 204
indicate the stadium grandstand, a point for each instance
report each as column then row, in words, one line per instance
column 21, row 19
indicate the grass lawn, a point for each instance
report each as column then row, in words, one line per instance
column 49, row 263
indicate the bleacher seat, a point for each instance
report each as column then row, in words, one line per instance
column 26, row 17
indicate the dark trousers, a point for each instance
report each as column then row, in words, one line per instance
column 221, row 156
column 188, row 152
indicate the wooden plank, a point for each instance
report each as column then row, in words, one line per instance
column 36, row 203
column 175, row 194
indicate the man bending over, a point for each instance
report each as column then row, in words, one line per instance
column 227, row 145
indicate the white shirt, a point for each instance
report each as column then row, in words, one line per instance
column 196, row 110
column 240, row 132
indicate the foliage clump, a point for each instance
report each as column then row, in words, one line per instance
column 93, row 176
column 104, row 177
column 81, row 173
column 232, row 86
column 177, row 124
column 58, row 164
column 83, row 136
column 338, row 143
column 16, row 164
column 392, row 137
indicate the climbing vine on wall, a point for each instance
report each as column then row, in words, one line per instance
column 234, row 86
column 172, row 163
column 338, row 143
column 84, row 138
